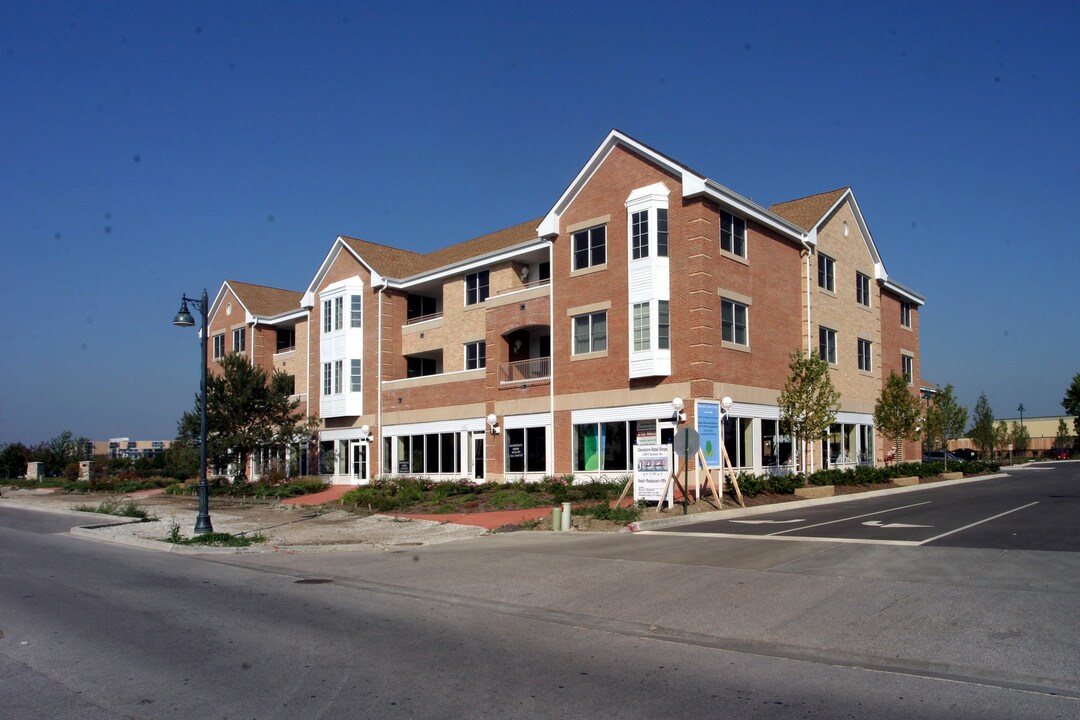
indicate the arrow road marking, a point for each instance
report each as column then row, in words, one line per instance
column 768, row 522
column 878, row 523
column 856, row 517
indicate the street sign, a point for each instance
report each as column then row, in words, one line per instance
column 687, row 442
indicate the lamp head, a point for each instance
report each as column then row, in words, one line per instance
column 183, row 318
column 726, row 403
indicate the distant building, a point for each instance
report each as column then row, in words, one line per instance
column 130, row 449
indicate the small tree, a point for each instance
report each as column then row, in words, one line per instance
column 1071, row 403
column 1019, row 437
column 898, row 411
column 808, row 402
column 13, row 460
column 946, row 419
column 246, row 410
column 982, row 432
column 1001, row 436
column 1062, row 441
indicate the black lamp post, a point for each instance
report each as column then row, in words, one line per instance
column 184, row 319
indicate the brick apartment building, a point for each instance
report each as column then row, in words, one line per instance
column 555, row 346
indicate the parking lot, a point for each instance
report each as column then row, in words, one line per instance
column 1033, row 507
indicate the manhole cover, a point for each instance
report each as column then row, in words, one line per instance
column 314, row 581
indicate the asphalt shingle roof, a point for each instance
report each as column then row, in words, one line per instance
column 265, row 301
column 806, row 212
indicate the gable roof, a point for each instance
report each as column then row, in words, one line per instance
column 258, row 301
column 693, row 183
column 264, row 301
column 808, row 211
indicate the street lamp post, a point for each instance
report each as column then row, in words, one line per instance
column 184, row 319
column 1021, row 411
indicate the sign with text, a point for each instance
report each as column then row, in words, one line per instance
column 646, row 432
column 652, row 467
column 708, row 427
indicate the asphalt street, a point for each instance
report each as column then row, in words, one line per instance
column 558, row 624
column 1034, row 507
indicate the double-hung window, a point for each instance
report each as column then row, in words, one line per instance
column 356, row 315
column 826, row 272
column 475, row 355
column 905, row 314
column 239, row 337
column 639, row 234
column 641, row 326
column 327, row 378
column 663, row 324
column 356, row 376
column 339, row 311
column 733, row 321
column 590, row 247
column 865, row 355
column 732, row 234
column 327, row 316
column 590, row 333
column 476, row 287
column 827, row 344
column 338, row 370
column 906, row 368
column 219, row 346
column 862, row 289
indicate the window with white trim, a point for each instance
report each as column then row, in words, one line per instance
column 865, row 351
column 732, row 234
column 663, row 324
column 733, row 322
column 826, row 272
column 327, row 378
column 338, row 370
column 905, row 314
column 639, row 234
column 590, row 247
column 356, row 376
column 476, row 287
column 219, row 346
column 641, row 326
column 862, row 289
column 356, row 315
column 339, row 312
column 907, row 364
column 476, row 355
column 827, row 344
column 526, row 450
column 327, row 316
column 239, row 338
column 590, row 333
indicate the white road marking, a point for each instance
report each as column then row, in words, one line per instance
column 878, row 523
column 855, row 517
column 786, row 538
column 769, row 522
column 980, row 522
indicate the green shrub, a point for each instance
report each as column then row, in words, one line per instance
column 622, row 515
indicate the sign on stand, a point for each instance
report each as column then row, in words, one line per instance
column 652, row 467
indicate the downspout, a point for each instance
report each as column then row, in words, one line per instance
column 808, row 453
column 551, row 357
column 378, row 381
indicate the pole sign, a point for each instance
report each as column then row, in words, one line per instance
column 652, row 467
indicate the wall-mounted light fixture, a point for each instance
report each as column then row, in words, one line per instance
column 677, row 404
column 493, row 424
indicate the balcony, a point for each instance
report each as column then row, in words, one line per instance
column 523, row 372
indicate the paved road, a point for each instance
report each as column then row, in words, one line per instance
column 1031, row 508
column 536, row 625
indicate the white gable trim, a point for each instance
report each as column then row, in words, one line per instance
column 335, row 250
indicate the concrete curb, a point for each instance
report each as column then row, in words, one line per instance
column 761, row 509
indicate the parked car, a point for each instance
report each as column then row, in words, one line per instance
column 940, row 456
column 966, row 454
column 1057, row 454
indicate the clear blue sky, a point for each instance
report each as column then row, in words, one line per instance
column 153, row 149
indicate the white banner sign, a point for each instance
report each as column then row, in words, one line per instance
column 652, row 467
